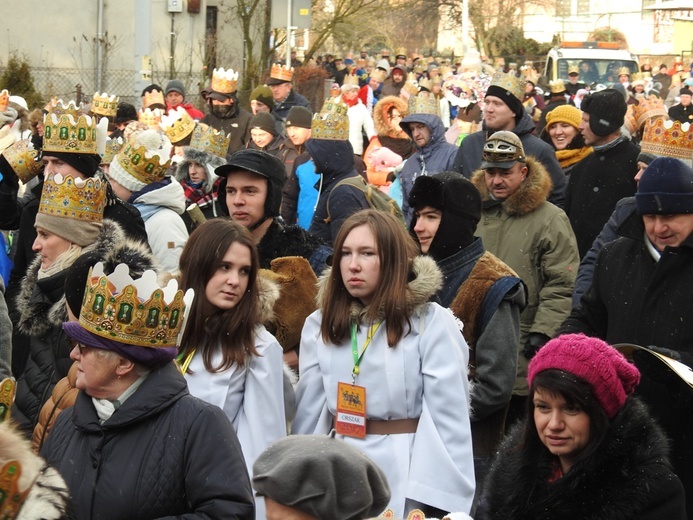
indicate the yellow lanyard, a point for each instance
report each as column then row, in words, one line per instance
column 355, row 347
column 183, row 364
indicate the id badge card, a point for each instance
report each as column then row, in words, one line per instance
column 351, row 410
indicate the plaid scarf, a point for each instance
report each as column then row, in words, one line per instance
column 197, row 195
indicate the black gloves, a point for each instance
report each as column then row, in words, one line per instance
column 535, row 341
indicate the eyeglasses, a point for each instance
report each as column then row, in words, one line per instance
column 82, row 348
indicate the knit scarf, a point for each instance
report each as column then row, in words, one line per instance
column 196, row 195
column 612, row 144
column 569, row 157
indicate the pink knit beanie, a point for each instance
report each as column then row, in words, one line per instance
column 612, row 377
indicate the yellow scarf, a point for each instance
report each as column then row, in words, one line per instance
column 569, row 157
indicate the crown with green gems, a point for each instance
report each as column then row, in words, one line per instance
column 136, row 312
column 332, row 122
column 67, row 129
column 206, row 138
column 177, row 124
column 133, row 159
column 104, row 105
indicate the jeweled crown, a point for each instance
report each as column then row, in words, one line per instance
column 151, row 117
column 104, row 105
column 136, row 312
column 668, row 138
column 332, row 122
column 557, row 86
column 351, row 79
column 401, row 51
column 145, row 169
column 206, row 138
column 281, row 72
column 153, row 97
column 113, row 146
column 177, row 124
column 4, row 100
column 648, row 108
column 66, row 129
column 424, row 103
column 510, row 82
column 73, row 198
column 224, row 81
column 22, row 156
column 11, row 498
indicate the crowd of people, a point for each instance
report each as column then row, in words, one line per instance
column 440, row 294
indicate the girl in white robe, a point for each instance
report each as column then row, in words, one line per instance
column 227, row 356
column 414, row 366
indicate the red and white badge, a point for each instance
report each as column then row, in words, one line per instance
column 350, row 419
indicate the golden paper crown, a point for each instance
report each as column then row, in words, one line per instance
column 557, row 86
column 648, row 108
column 113, row 146
column 411, row 88
column 509, row 82
column 66, row 129
column 153, row 97
column 281, row 72
column 668, row 139
column 426, row 83
column 379, row 75
column 224, row 81
column 624, row 70
column 11, row 498
column 208, row 139
column 424, row 103
column 361, row 63
column 22, row 156
column 177, row 124
column 331, row 122
column 573, row 69
column 133, row 159
column 401, row 51
column 135, row 312
column 4, row 100
column 446, row 72
column 104, row 105
column 73, row 198
column 350, row 79
column 7, row 391
column 151, row 117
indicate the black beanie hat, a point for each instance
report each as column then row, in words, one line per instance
column 460, row 204
column 125, row 112
column 299, row 116
column 85, row 163
column 607, row 109
column 261, row 163
column 264, row 121
column 508, row 98
column 665, row 188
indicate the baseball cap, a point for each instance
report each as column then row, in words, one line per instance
column 502, row 150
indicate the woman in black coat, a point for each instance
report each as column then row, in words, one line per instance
column 587, row 449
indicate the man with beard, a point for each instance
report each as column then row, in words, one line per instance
column 225, row 114
column 393, row 84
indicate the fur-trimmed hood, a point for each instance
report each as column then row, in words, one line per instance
column 533, row 193
column 268, row 294
column 427, row 281
column 380, row 116
column 203, row 158
column 38, row 314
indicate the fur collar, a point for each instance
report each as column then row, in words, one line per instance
column 380, row 116
column 427, row 281
column 268, row 294
column 532, row 194
column 37, row 316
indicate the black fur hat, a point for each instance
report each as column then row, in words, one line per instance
column 607, row 109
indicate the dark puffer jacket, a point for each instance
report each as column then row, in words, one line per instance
column 162, row 454
column 628, row 477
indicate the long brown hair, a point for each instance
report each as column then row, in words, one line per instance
column 396, row 251
column 210, row 328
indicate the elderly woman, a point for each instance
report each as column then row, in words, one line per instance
column 587, row 448
column 136, row 444
column 562, row 132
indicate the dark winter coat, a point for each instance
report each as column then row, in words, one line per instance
column 163, row 453
column 683, row 114
column 294, row 99
column 238, row 126
column 468, row 158
column 334, row 162
column 41, row 312
column 436, row 157
column 628, row 477
column 595, row 186
column 282, row 240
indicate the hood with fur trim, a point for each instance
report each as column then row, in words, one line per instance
column 533, row 192
column 427, row 281
column 203, row 158
column 380, row 116
column 38, row 315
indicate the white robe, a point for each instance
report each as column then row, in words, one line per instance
column 424, row 376
column 252, row 398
